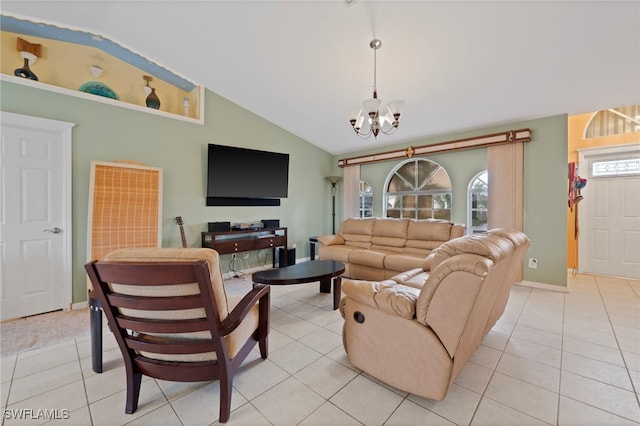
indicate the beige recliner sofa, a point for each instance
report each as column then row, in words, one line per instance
column 418, row 337
column 380, row 248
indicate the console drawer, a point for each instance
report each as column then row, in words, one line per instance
column 234, row 246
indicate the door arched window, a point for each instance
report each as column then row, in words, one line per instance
column 477, row 203
column 366, row 199
column 418, row 189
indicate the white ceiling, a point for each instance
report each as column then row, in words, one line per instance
column 303, row 64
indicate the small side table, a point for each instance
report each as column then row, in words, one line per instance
column 313, row 241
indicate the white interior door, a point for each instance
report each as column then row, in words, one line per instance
column 609, row 215
column 35, row 215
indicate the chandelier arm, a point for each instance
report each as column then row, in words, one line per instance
column 391, row 131
column 364, row 135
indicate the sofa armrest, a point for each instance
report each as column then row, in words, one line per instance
column 330, row 240
column 412, row 278
column 406, row 275
column 387, row 296
column 451, row 293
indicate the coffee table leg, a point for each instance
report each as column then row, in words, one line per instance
column 337, row 292
column 325, row 285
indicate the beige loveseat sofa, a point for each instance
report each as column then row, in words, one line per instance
column 418, row 337
column 379, row 248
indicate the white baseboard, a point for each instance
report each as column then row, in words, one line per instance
column 79, row 305
column 543, row 286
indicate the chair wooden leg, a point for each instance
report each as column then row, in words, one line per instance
column 263, row 326
column 263, row 344
column 226, row 385
column 133, row 391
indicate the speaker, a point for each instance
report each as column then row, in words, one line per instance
column 271, row 223
column 233, row 201
column 219, row 226
column 286, row 257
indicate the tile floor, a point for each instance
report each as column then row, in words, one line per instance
column 553, row 358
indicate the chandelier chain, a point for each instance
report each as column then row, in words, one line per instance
column 375, row 67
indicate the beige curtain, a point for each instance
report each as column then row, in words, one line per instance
column 506, row 177
column 351, row 191
column 506, row 167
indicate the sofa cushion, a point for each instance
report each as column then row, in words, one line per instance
column 419, row 246
column 403, row 262
column 367, row 258
column 357, row 230
column 429, row 230
column 389, row 232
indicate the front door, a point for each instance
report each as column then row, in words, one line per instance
column 35, row 225
column 609, row 214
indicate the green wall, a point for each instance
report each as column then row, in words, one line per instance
column 109, row 133
column 545, row 188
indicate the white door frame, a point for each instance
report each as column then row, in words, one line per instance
column 583, row 172
column 64, row 129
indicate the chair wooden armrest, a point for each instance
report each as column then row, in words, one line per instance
column 243, row 307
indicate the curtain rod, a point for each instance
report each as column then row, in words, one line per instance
column 510, row 136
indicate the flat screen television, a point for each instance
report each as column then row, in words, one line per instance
column 246, row 177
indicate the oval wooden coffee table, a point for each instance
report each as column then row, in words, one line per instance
column 307, row 272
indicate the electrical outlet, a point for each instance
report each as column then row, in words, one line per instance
column 233, row 257
column 533, row 263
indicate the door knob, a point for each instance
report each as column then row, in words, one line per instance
column 55, row 230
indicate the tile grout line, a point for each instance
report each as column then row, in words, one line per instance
column 602, row 301
column 84, row 384
column 13, row 371
column 493, row 371
column 615, row 336
column 564, row 319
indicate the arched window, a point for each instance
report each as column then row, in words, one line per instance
column 614, row 121
column 366, row 199
column 477, row 202
column 419, row 189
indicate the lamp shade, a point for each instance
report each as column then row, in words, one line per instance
column 371, row 105
column 354, row 113
column 396, row 107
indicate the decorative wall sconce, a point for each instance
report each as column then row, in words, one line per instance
column 152, row 101
column 29, row 52
column 146, row 88
column 96, row 68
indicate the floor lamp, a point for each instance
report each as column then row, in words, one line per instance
column 334, row 181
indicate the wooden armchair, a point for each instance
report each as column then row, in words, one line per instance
column 173, row 319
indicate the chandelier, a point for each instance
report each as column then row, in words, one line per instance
column 375, row 118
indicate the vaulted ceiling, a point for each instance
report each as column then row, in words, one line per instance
column 303, row 64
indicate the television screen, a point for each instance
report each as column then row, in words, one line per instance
column 237, row 174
